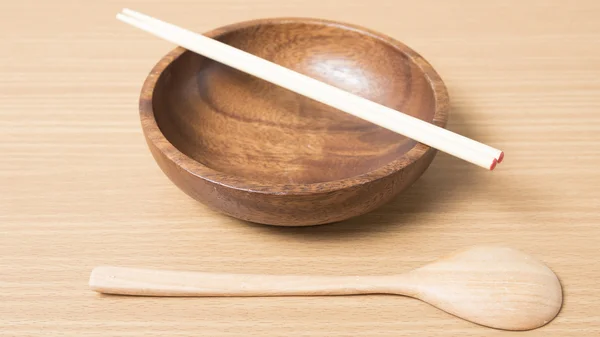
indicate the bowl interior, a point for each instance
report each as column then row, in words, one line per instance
column 240, row 125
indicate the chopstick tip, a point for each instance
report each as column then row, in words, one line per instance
column 494, row 163
column 501, row 157
column 124, row 12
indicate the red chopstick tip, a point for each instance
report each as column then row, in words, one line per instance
column 501, row 157
column 494, row 163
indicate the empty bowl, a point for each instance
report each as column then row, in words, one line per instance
column 258, row 152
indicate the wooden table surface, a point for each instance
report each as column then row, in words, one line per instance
column 78, row 187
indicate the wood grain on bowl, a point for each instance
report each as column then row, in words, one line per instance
column 262, row 153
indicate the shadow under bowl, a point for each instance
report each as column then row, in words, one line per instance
column 261, row 153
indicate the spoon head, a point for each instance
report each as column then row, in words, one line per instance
column 493, row 286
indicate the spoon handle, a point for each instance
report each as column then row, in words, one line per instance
column 148, row 282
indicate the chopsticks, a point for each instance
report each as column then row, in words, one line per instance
column 421, row 131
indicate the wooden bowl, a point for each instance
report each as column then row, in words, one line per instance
column 261, row 153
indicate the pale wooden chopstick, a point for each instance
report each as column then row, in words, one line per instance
column 419, row 130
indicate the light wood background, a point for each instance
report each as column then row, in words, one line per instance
column 78, row 187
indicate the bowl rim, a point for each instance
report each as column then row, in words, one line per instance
column 154, row 135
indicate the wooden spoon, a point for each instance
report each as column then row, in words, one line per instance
column 493, row 286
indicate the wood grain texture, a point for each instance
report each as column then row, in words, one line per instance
column 261, row 153
column 80, row 188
